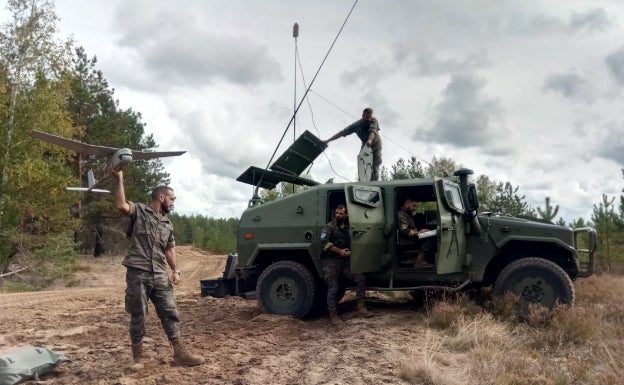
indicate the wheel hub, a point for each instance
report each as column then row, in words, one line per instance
column 284, row 292
column 535, row 290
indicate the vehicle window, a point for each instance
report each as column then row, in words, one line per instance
column 366, row 196
column 453, row 196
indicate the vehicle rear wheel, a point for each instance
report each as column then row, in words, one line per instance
column 535, row 281
column 286, row 288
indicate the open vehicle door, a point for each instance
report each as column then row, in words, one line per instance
column 366, row 223
column 452, row 246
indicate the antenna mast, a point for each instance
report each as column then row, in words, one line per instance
column 295, row 35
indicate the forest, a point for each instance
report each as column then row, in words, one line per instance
column 54, row 85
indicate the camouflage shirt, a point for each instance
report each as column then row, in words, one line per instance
column 405, row 223
column 151, row 236
column 334, row 235
column 363, row 129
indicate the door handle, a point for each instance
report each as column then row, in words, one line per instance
column 360, row 232
column 450, row 228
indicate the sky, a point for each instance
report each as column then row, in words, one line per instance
column 527, row 92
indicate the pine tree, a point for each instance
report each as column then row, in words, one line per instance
column 549, row 213
column 508, row 202
column 604, row 219
column 410, row 169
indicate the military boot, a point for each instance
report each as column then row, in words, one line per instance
column 137, row 356
column 421, row 263
column 333, row 317
column 361, row 309
column 183, row 358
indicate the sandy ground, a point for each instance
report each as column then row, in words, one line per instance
column 88, row 325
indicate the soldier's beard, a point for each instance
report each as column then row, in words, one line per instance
column 165, row 208
column 339, row 221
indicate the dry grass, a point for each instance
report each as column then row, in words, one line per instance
column 582, row 344
column 426, row 366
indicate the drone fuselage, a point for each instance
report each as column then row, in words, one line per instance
column 121, row 158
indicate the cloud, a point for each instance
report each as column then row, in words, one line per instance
column 172, row 47
column 232, row 59
column 366, row 79
column 465, row 117
column 593, row 20
column 584, row 23
column 615, row 64
column 570, row 85
column 612, row 146
column 419, row 60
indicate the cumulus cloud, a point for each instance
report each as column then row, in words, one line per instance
column 590, row 21
column 420, row 60
column 366, row 79
column 570, row 85
column 615, row 64
column 465, row 116
column 612, row 146
column 174, row 48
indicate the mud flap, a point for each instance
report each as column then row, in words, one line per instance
column 221, row 287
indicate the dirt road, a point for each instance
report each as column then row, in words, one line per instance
column 88, row 325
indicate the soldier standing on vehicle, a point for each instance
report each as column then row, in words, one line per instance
column 335, row 244
column 151, row 250
column 367, row 129
column 407, row 230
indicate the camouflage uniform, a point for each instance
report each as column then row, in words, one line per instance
column 406, row 223
column 363, row 129
column 334, row 265
column 146, row 276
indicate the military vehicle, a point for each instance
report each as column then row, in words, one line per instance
column 278, row 247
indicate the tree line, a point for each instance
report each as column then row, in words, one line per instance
column 53, row 85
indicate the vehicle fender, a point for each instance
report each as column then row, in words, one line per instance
column 311, row 250
column 556, row 241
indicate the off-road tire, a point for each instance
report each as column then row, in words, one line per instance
column 286, row 288
column 535, row 280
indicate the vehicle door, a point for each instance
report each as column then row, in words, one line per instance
column 452, row 237
column 366, row 224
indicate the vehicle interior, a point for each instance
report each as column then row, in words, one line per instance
column 334, row 198
column 425, row 217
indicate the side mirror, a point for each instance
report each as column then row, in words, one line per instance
column 473, row 200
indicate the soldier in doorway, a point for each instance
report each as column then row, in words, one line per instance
column 336, row 243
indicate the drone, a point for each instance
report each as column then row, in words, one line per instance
column 118, row 158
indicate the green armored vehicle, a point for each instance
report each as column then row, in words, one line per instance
column 278, row 242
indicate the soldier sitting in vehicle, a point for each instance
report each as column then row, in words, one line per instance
column 408, row 241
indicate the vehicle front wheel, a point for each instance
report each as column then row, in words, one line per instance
column 286, row 288
column 535, row 281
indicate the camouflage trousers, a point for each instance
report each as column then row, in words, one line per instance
column 376, row 163
column 333, row 269
column 142, row 286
